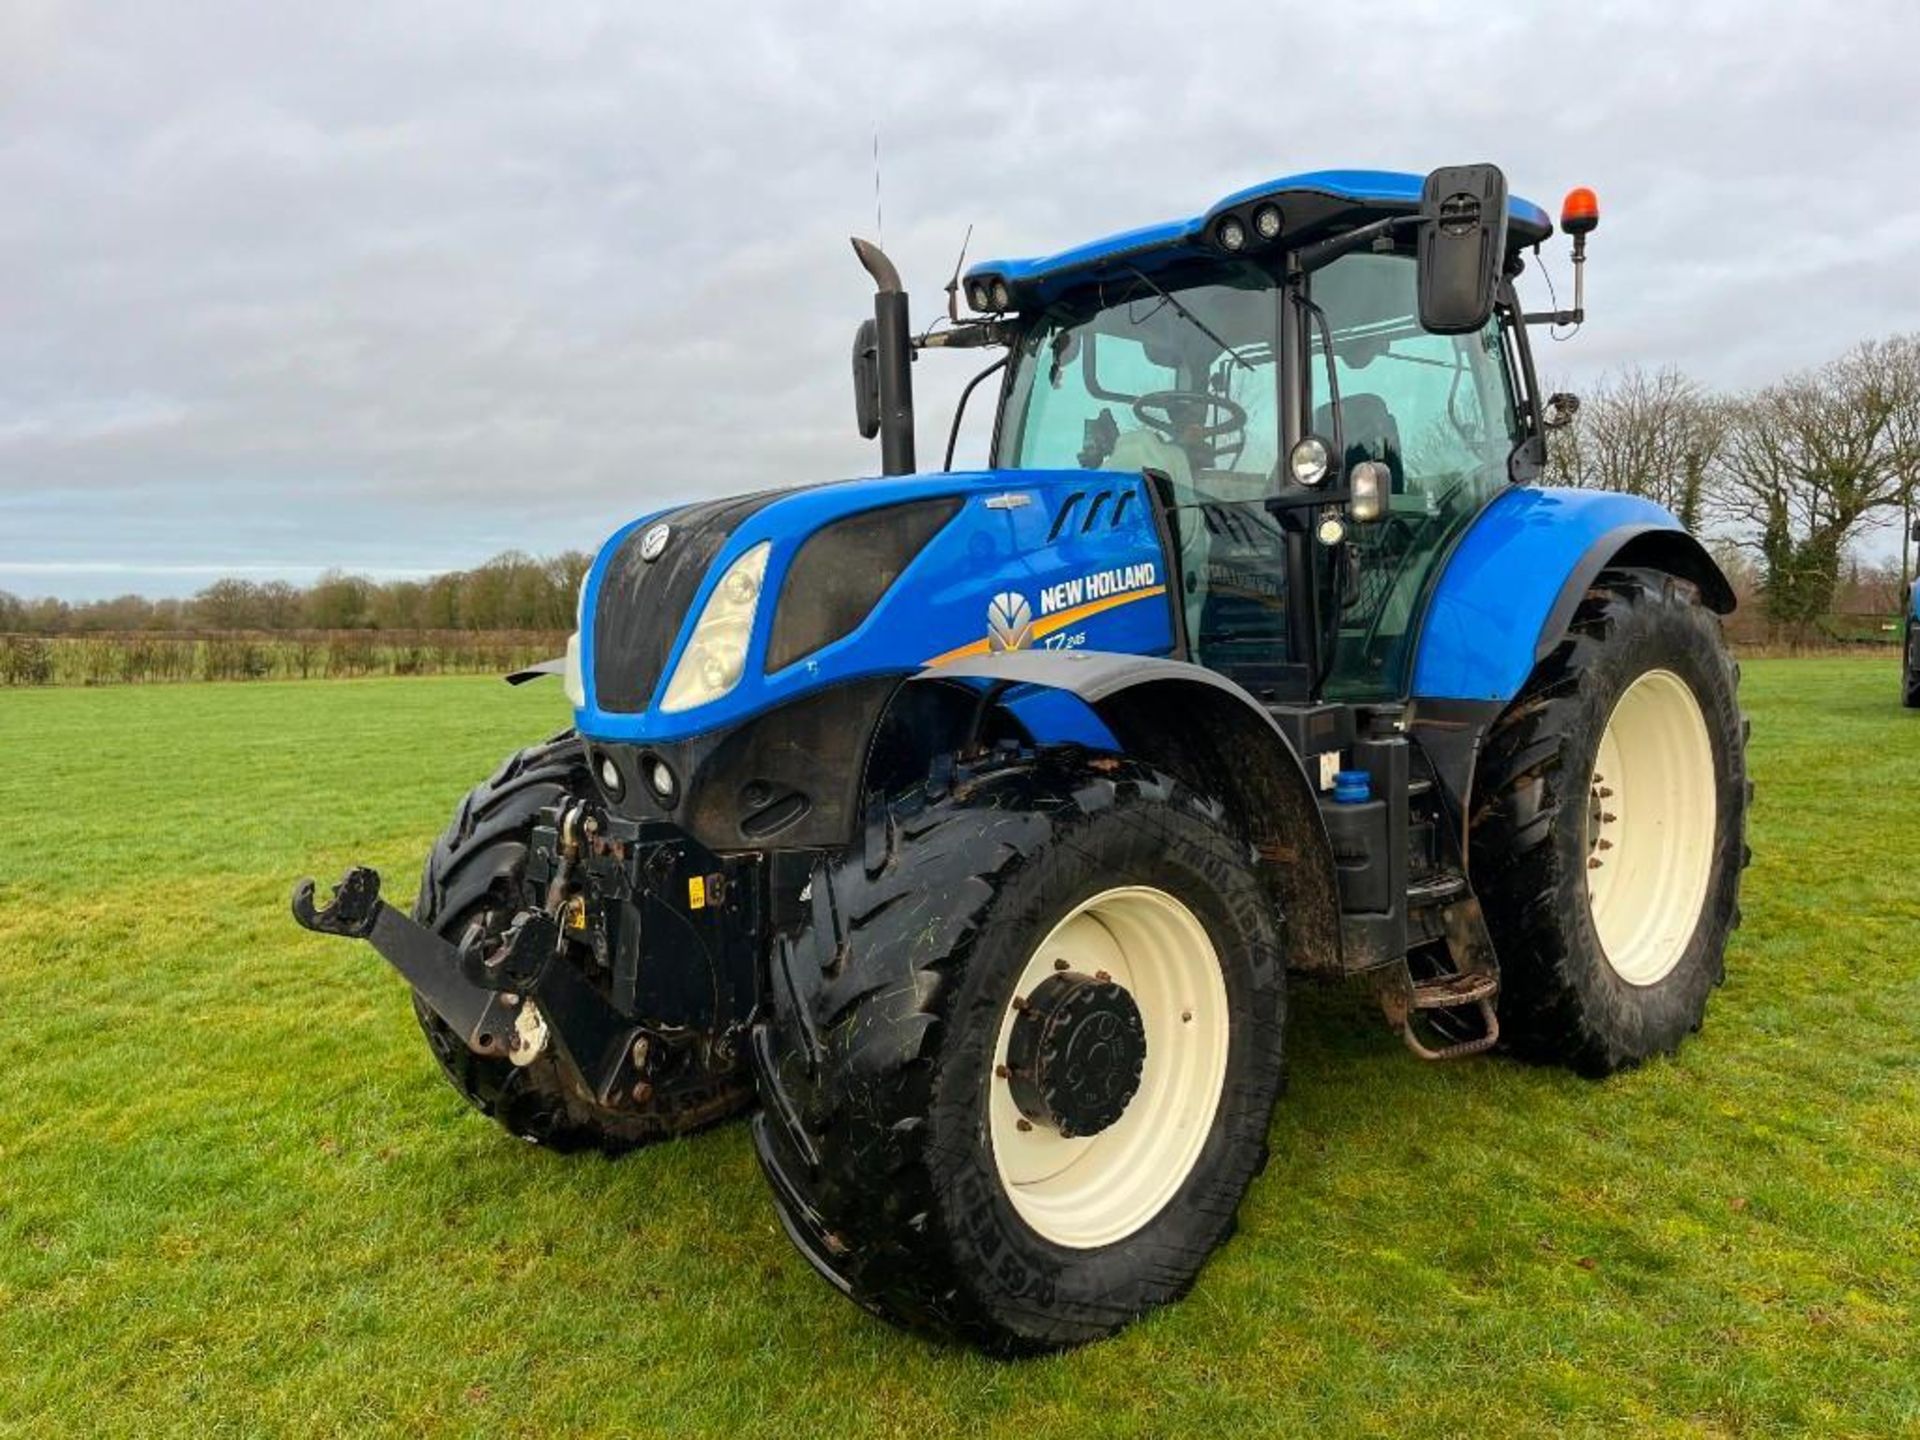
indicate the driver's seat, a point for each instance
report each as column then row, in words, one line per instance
column 1371, row 433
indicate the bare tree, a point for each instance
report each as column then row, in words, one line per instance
column 1813, row 461
column 228, row 604
column 1656, row 434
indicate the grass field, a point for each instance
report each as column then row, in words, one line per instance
column 236, row 1197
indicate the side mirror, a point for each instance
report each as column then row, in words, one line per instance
column 1462, row 244
column 1559, row 410
column 866, row 379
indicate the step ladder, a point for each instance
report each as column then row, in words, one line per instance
column 1456, row 1006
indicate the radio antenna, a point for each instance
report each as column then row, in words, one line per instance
column 953, row 285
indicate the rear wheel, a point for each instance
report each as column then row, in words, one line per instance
column 1017, row 1072
column 1609, row 829
column 1911, row 698
column 471, row 891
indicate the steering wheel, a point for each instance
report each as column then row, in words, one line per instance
column 1185, row 417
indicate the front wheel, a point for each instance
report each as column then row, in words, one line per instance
column 1017, row 1072
column 1609, row 829
column 1911, row 695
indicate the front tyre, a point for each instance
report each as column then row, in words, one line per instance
column 1018, row 1070
column 1911, row 668
column 1609, row 829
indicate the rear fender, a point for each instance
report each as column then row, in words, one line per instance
column 1197, row 725
column 1512, row 584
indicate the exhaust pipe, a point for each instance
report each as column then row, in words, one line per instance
column 894, row 359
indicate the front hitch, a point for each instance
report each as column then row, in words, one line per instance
column 483, row 1018
column 488, row 998
column 351, row 911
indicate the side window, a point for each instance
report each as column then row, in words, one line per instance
column 1439, row 412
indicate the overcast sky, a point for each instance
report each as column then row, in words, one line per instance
column 397, row 287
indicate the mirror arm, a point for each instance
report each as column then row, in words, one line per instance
column 968, row 335
column 1325, row 252
column 1578, row 314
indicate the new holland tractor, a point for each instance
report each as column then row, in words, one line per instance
column 972, row 825
column 1910, row 652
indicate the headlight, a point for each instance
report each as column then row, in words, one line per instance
column 1367, row 491
column 1309, row 460
column 716, row 654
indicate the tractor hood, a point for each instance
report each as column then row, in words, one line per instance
column 696, row 618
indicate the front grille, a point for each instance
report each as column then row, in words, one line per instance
column 643, row 605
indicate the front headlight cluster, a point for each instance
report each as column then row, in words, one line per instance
column 716, row 653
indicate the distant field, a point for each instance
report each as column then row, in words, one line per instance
column 236, row 1198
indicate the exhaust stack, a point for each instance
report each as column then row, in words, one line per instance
column 893, row 347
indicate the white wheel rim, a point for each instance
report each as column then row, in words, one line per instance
column 1652, row 814
column 1089, row 1191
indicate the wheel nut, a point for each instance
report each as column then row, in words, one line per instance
column 1023, row 1124
column 1002, row 1071
column 1059, row 964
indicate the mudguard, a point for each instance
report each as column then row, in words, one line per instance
column 1514, row 580
column 1198, row 724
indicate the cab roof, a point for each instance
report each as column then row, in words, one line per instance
column 1312, row 204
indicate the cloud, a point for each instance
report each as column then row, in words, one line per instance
column 399, row 287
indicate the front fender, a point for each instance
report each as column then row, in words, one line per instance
column 1512, row 584
column 1207, row 730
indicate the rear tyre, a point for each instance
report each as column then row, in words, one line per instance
column 1608, row 832
column 1036, row 1175
column 472, row 880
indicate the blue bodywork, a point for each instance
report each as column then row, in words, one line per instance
column 1480, row 637
column 1100, row 588
column 1371, row 193
column 1483, row 625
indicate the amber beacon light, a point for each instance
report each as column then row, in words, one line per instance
column 1579, row 212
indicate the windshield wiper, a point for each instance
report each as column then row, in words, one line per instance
column 1195, row 320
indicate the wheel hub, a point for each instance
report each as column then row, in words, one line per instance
column 1076, row 1053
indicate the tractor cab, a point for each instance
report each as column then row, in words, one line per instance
column 1319, row 431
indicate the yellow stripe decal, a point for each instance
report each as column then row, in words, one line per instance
column 1059, row 620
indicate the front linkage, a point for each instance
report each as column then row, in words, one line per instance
column 594, row 964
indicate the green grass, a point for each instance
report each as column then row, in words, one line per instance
column 236, row 1198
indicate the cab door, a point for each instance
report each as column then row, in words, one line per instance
column 1440, row 412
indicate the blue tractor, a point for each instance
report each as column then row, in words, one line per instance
column 1910, row 653
column 973, row 825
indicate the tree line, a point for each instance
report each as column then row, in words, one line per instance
column 1785, row 480
column 511, row 593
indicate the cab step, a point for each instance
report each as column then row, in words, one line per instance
column 1440, row 888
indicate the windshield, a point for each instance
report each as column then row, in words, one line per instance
column 1137, row 374
column 1182, row 378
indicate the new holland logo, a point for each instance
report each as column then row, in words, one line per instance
column 654, row 542
column 1009, row 622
